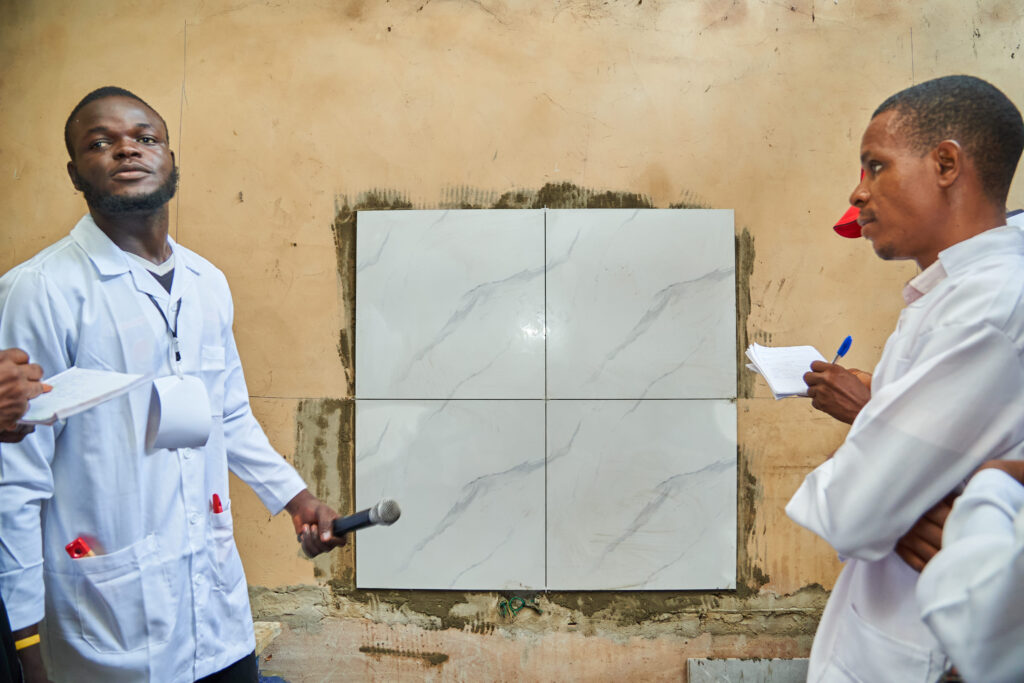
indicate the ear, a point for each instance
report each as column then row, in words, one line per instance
column 73, row 174
column 949, row 159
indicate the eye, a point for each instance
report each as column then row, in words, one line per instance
column 874, row 167
column 148, row 139
column 98, row 144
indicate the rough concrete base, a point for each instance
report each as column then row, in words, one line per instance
column 265, row 632
column 747, row 670
column 360, row 650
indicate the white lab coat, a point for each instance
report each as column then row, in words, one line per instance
column 945, row 397
column 165, row 598
column 972, row 593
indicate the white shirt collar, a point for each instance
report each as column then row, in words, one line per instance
column 159, row 269
column 924, row 282
column 1007, row 239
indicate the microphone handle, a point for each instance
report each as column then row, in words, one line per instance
column 354, row 522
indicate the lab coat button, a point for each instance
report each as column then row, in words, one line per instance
column 187, row 452
column 193, row 518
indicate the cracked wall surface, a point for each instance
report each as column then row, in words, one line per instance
column 287, row 117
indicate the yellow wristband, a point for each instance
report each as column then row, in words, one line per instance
column 26, row 642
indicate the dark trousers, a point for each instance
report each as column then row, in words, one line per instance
column 245, row 670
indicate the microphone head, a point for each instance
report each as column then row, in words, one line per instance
column 385, row 512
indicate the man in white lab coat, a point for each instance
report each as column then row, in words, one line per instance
column 946, row 395
column 164, row 597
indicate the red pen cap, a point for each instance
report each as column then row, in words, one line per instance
column 78, row 548
column 217, row 508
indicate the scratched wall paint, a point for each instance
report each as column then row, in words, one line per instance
column 286, row 115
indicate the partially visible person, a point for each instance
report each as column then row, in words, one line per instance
column 946, row 395
column 19, row 383
column 971, row 594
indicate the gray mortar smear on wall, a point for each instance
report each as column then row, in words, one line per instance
column 323, row 425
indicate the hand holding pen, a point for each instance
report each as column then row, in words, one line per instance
column 835, row 390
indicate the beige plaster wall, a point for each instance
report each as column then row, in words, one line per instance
column 286, row 114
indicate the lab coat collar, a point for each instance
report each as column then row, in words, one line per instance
column 1002, row 240
column 111, row 261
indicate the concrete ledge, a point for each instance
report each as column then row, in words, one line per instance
column 266, row 631
column 746, row 670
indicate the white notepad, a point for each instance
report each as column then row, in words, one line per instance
column 76, row 390
column 783, row 367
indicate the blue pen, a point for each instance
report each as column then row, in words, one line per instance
column 843, row 348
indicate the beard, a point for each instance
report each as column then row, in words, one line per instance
column 113, row 204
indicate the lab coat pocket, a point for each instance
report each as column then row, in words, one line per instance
column 212, row 368
column 865, row 654
column 227, row 564
column 123, row 599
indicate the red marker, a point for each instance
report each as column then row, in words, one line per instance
column 78, row 549
column 217, row 508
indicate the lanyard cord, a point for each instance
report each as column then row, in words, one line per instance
column 173, row 331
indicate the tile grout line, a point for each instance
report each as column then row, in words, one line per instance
column 545, row 399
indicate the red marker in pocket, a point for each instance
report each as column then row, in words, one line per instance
column 217, row 507
column 78, row 549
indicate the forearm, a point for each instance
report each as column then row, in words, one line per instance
column 912, row 445
column 30, row 654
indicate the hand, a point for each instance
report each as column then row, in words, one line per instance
column 1015, row 468
column 312, row 520
column 837, row 391
column 919, row 545
column 19, row 382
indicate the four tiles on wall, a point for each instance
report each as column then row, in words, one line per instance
column 550, row 395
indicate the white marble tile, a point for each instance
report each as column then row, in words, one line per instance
column 641, row 304
column 450, row 304
column 469, row 476
column 641, row 495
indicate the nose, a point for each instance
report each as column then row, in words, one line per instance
column 126, row 149
column 859, row 196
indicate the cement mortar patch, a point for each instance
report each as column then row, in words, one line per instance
column 622, row 616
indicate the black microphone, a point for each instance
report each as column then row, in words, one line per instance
column 384, row 513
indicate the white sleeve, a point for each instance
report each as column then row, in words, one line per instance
column 971, row 594
column 956, row 406
column 36, row 322
column 250, row 455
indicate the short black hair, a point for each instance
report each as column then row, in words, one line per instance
column 971, row 111
column 99, row 94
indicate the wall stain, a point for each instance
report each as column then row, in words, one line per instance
column 749, row 493
column 464, row 197
column 437, row 604
column 570, row 196
column 323, row 456
column 344, row 230
column 744, row 271
column 432, row 658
